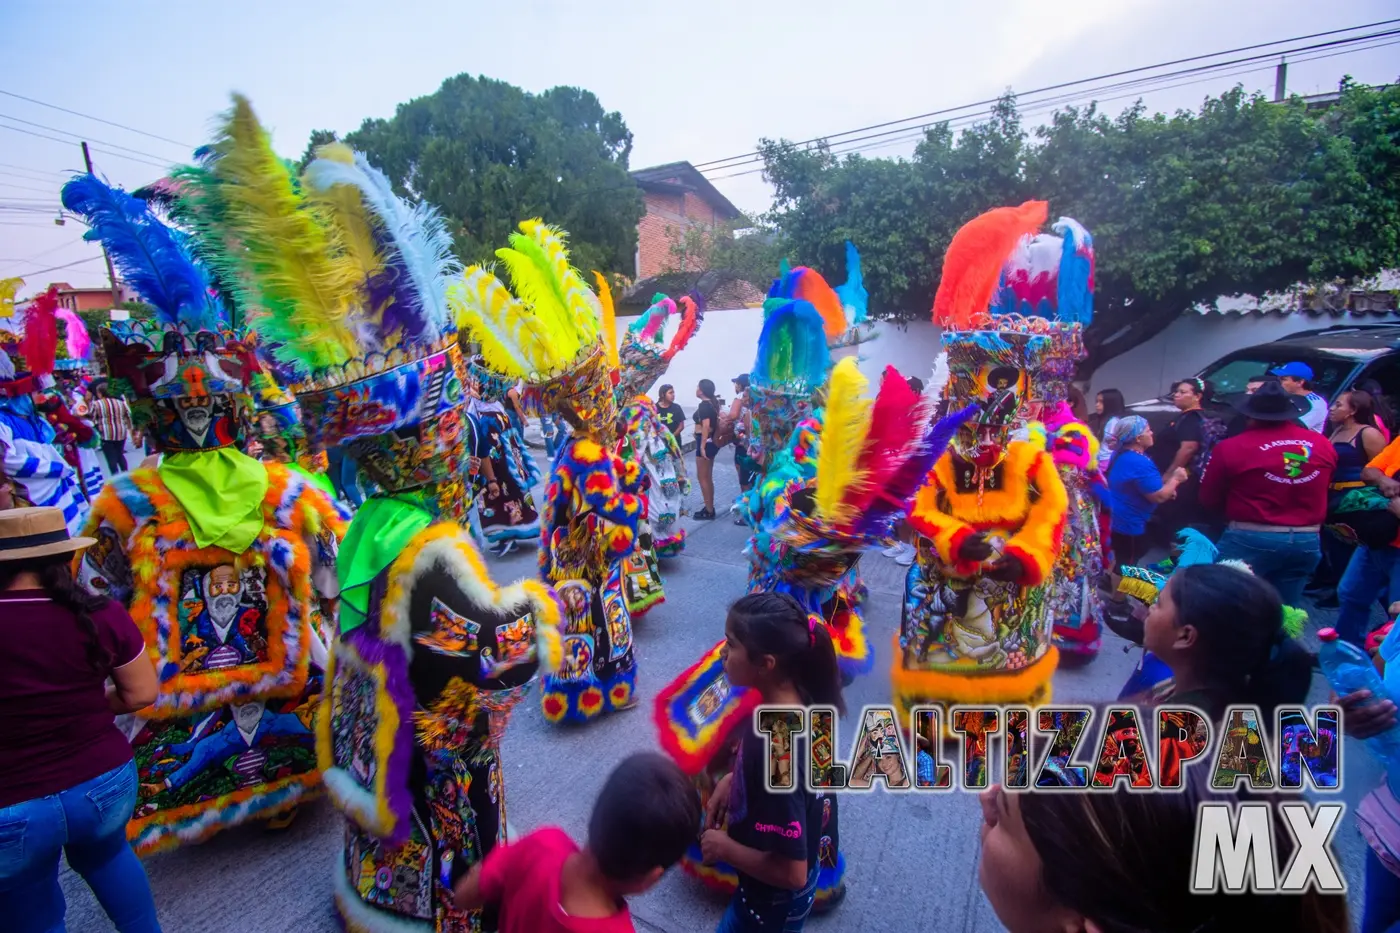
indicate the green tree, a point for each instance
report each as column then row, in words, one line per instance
column 1243, row 196
column 318, row 139
column 746, row 248
column 489, row 155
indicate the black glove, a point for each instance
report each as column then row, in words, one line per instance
column 975, row 549
column 1006, row 570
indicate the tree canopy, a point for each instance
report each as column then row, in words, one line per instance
column 489, row 155
column 1243, row 196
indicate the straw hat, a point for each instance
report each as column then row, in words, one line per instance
column 36, row 533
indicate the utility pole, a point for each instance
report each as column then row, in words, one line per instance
column 1280, row 81
column 111, row 276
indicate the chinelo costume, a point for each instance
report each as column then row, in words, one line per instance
column 646, row 443
column 431, row 656
column 42, row 342
column 28, row 456
column 214, row 553
column 551, row 336
column 835, row 490
column 1048, row 285
column 506, row 494
column 991, row 515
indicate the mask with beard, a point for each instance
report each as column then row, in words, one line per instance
column 222, row 609
column 196, row 417
column 247, row 715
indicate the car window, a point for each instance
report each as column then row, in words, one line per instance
column 1386, row 373
column 1231, row 375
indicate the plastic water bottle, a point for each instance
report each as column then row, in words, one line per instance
column 1349, row 669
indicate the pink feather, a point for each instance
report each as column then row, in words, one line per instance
column 657, row 321
column 690, row 323
column 75, row 334
column 898, row 421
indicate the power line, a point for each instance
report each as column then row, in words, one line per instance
column 47, row 252
column 164, row 166
column 85, row 116
column 31, row 174
column 80, row 136
column 10, row 184
column 718, row 164
column 66, row 265
column 1152, row 83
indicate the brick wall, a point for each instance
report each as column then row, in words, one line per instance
column 666, row 211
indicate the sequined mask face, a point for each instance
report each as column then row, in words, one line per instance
column 983, row 440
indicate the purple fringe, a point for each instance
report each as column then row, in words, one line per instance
column 373, row 649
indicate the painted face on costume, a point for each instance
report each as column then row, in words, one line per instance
column 248, row 715
column 195, row 414
column 222, row 590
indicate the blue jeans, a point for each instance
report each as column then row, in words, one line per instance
column 1372, row 573
column 88, row 822
column 770, row 910
column 1286, row 559
column 1381, row 914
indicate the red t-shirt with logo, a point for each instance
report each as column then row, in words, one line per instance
column 523, row 878
column 1270, row 475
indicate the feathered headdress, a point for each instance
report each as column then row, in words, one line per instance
column 75, row 334
column 1050, row 276
column 791, row 366
column 40, row 342
column 154, row 260
column 840, row 308
column 645, row 355
column 548, row 332
column 974, row 261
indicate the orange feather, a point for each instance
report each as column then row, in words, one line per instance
column 812, row 287
column 972, row 266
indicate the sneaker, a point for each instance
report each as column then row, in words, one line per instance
column 894, row 550
column 906, row 558
column 704, row 515
column 506, row 547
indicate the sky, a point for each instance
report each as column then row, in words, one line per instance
column 695, row 82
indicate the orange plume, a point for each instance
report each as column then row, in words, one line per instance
column 812, row 287
column 972, row 266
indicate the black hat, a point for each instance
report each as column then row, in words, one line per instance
column 741, row 380
column 1272, row 402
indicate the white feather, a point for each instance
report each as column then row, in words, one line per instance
column 938, row 379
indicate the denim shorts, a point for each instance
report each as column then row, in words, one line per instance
column 763, row 909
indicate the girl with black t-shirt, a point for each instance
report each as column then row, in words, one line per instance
column 668, row 412
column 773, row 840
column 706, row 426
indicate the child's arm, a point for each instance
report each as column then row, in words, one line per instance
column 466, row 893
column 768, row 867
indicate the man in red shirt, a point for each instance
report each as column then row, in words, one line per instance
column 1271, row 482
column 646, row 816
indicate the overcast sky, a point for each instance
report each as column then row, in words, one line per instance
column 695, row 82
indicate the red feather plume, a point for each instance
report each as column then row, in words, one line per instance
column 898, row 420
column 972, row 266
column 690, row 323
column 40, row 343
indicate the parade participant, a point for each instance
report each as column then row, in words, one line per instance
column 1051, row 277
column 213, row 553
column 776, row 649
column 431, row 656
column 976, row 626
column 277, row 426
column 71, row 435
column 551, row 336
column 36, row 468
column 643, row 359
column 508, row 474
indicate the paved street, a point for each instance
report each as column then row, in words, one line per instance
column 912, row 858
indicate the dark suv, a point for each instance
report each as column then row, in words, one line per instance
column 1339, row 356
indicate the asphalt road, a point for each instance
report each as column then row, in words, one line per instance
column 912, row 857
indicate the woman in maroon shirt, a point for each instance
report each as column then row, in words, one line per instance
column 67, row 777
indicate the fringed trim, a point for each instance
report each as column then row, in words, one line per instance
column 1139, row 589
column 671, row 546
column 584, row 701
column 719, row 877
column 358, row 917
column 693, row 750
column 193, row 823
column 646, row 604
column 831, row 880
column 853, row 654
column 448, row 546
column 950, row 687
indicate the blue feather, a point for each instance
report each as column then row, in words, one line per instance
column 422, row 246
column 854, row 298
column 154, row 259
column 1075, row 285
column 792, row 350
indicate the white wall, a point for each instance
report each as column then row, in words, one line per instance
column 1194, row 341
column 727, row 343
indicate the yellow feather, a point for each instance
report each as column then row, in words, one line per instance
column 609, row 320
column 304, row 281
column 574, row 294
column 8, row 288
column 342, row 208
column 844, row 429
column 534, row 287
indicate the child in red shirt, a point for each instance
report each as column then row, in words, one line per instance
column 642, row 822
